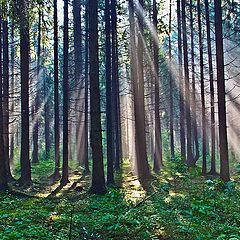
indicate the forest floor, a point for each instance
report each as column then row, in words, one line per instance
column 177, row 204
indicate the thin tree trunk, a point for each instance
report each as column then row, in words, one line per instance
column 3, row 174
column 56, row 97
column 181, row 87
column 11, row 157
column 110, row 137
column 193, row 100
column 213, row 137
column 6, row 96
column 158, row 132
column 64, row 179
column 86, row 162
column 204, row 161
column 189, row 160
column 171, row 82
column 36, row 109
column 223, row 143
column 115, row 89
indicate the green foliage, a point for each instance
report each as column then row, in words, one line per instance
column 184, row 206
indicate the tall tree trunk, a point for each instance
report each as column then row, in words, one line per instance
column 110, row 137
column 210, row 64
column 193, row 100
column 46, row 115
column 115, row 89
column 24, row 57
column 11, row 157
column 64, row 179
column 171, row 82
column 3, row 173
column 86, row 162
column 223, row 143
column 98, row 180
column 139, row 105
column 181, row 87
column 6, row 95
column 204, row 161
column 80, row 138
column 36, row 109
column 158, row 132
column 56, row 97
column 189, row 160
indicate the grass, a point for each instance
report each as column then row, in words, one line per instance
column 176, row 204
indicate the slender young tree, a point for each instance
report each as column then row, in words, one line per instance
column 98, row 180
column 64, row 179
column 158, row 132
column 223, row 143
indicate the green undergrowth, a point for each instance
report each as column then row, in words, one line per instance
column 177, row 204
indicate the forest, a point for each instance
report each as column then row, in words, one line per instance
column 119, row 119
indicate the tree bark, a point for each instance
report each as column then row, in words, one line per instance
column 64, row 179
column 24, row 57
column 158, row 132
column 3, row 174
column 181, row 86
column 210, row 65
column 189, row 159
column 223, row 142
column 98, row 180
column 109, row 109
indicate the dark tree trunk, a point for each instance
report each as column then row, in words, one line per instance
column 210, row 64
column 3, row 173
column 189, row 161
column 12, row 90
column 158, row 132
column 223, row 143
column 24, row 57
column 115, row 89
column 46, row 115
column 204, row 161
column 56, row 96
column 181, row 87
column 64, row 179
column 98, row 180
column 86, row 163
column 109, row 118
